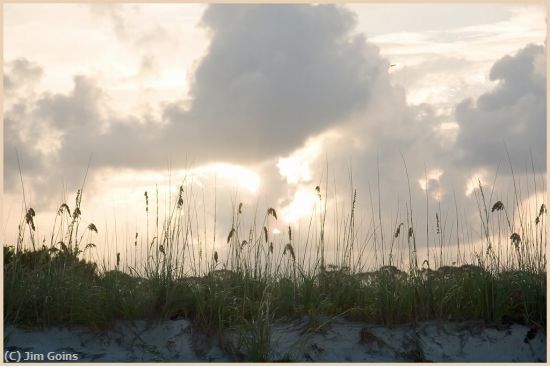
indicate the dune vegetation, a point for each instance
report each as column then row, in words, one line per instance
column 49, row 282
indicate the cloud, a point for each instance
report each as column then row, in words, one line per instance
column 126, row 24
column 20, row 73
column 265, row 87
column 390, row 134
column 52, row 134
column 286, row 101
column 513, row 113
column 259, row 92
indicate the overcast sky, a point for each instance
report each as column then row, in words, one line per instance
column 262, row 98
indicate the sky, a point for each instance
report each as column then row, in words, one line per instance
column 261, row 103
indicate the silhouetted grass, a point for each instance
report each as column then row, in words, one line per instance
column 255, row 285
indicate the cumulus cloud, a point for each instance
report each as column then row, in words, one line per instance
column 260, row 91
column 512, row 114
column 51, row 134
column 20, row 73
column 402, row 143
column 55, row 135
column 287, row 90
column 263, row 88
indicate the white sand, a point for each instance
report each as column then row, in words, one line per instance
column 341, row 340
column 335, row 340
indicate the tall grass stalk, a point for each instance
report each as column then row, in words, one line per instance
column 255, row 278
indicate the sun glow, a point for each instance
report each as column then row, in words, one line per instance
column 233, row 174
column 128, row 185
column 296, row 167
column 301, row 205
column 475, row 181
column 432, row 176
column 448, row 132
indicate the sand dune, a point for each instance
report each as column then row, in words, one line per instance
column 329, row 340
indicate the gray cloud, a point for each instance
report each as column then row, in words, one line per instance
column 275, row 74
column 513, row 113
column 260, row 91
column 14, row 146
column 20, row 72
column 19, row 76
column 52, row 136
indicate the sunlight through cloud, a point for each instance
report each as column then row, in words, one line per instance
column 301, row 206
column 235, row 174
column 297, row 166
column 475, row 181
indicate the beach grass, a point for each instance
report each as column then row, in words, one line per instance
column 257, row 283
